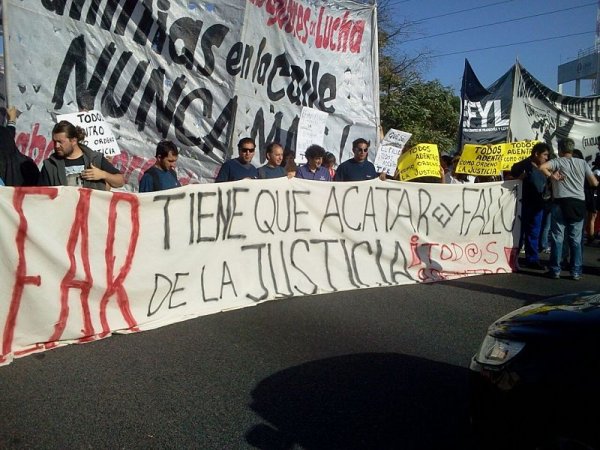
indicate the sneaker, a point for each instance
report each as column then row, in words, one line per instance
column 535, row 265
column 553, row 275
column 576, row 277
column 546, row 251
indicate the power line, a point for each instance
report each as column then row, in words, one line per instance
column 499, row 23
column 510, row 45
column 449, row 13
column 462, row 11
column 397, row 3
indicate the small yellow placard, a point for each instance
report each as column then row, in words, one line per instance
column 482, row 160
column 422, row 160
column 516, row 151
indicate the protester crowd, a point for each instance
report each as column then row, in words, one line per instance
column 560, row 201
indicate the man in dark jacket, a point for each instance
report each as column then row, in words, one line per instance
column 532, row 204
column 162, row 175
column 74, row 164
column 358, row 168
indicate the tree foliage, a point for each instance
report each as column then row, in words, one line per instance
column 427, row 109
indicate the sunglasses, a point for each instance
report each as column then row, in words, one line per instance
column 247, row 150
column 364, row 150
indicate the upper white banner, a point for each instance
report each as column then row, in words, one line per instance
column 203, row 74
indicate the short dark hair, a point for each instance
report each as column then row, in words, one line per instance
column 540, row 147
column 163, row 148
column 563, row 147
column 271, row 146
column 329, row 158
column 360, row 141
column 245, row 140
column 314, row 151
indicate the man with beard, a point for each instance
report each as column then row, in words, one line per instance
column 162, row 175
column 75, row 164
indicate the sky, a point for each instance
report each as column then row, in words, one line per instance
column 499, row 23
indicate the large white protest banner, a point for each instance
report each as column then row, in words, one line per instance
column 539, row 113
column 78, row 265
column 203, row 74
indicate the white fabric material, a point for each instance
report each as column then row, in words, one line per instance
column 220, row 71
column 80, row 264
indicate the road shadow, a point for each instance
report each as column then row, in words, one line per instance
column 363, row 401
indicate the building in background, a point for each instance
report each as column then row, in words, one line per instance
column 585, row 67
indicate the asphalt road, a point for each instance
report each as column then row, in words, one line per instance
column 370, row 369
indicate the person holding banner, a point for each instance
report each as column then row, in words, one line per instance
column 313, row 170
column 532, row 204
column 567, row 175
column 16, row 169
column 162, row 175
column 75, row 164
column 240, row 167
column 358, row 168
column 273, row 167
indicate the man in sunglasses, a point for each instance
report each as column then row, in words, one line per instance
column 240, row 167
column 358, row 168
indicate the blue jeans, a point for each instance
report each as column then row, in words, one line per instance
column 546, row 220
column 532, row 225
column 573, row 233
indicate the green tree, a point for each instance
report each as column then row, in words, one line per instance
column 426, row 109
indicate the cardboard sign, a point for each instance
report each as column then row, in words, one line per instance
column 515, row 152
column 99, row 136
column 483, row 160
column 422, row 160
column 311, row 130
column 389, row 151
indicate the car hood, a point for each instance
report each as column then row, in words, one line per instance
column 571, row 315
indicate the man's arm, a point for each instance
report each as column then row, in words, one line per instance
column 591, row 178
column 108, row 173
column 546, row 169
column 115, row 180
column 11, row 121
